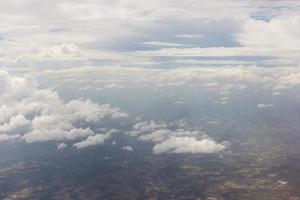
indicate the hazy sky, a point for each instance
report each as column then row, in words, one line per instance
column 66, row 33
column 80, row 71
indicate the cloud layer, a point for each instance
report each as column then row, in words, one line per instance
column 131, row 33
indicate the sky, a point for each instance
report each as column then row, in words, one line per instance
column 79, row 72
column 39, row 34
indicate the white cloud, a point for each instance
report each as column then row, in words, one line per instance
column 261, row 105
column 176, row 141
column 223, row 80
column 61, row 146
column 92, row 140
column 14, row 123
column 188, row 145
column 179, row 102
column 165, row 44
column 127, row 148
column 282, row 32
column 47, row 134
column 68, row 31
column 40, row 115
column 114, row 85
column 190, row 36
column 289, row 80
column 156, row 136
column 276, row 93
column 147, row 126
column 6, row 137
column 63, row 50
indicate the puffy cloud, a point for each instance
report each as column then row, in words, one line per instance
column 43, row 135
column 40, row 115
column 179, row 140
column 14, row 123
column 280, row 32
column 64, row 49
column 290, row 80
column 127, row 148
column 188, row 145
column 92, row 140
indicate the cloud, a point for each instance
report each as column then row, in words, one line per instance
column 14, row 123
column 179, row 140
column 261, row 105
column 188, row 145
column 223, row 80
column 63, row 50
column 113, row 86
column 76, row 25
column 127, row 148
column 146, row 126
column 276, row 93
column 281, row 32
column 61, row 146
column 156, row 136
column 179, row 102
column 189, row 36
column 6, row 137
column 50, row 133
column 289, row 80
column 92, row 141
column 165, row 44
column 41, row 115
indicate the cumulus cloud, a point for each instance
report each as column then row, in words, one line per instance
column 178, row 140
column 92, row 141
column 64, row 49
column 280, row 32
column 47, row 134
column 14, row 123
column 40, row 115
column 290, row 80
column 188, row 145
